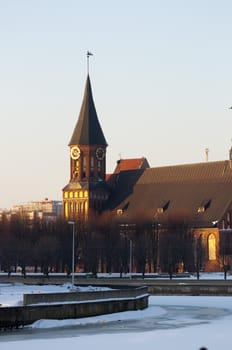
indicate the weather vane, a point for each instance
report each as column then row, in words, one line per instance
column 88, row 55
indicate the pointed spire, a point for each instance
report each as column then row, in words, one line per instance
column 88, row 129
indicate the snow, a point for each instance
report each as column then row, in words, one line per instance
column 170, row 322
column 11, row 294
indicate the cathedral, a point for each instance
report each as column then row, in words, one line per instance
column 203, row 191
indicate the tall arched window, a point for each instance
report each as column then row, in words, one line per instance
column 84, row 167
column 92, row 166
column 66, row 210
column 86, row 207
column 212, row 247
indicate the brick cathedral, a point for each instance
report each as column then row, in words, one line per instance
column 202, row 190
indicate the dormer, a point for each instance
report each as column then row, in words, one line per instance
column 163, row 206
column 205, row 204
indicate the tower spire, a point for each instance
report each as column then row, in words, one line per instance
column 87, row 192
column 88, row 130
column 88, row 55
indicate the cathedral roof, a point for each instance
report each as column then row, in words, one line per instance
column 88, row 129
column 219, row 171
column 202, row 190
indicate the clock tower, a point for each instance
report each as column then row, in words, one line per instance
column 86, row 193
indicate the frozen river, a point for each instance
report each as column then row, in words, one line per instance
column 170, row 322
column 163, row 313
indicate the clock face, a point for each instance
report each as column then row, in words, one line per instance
column 100, row 154
column 75, row 152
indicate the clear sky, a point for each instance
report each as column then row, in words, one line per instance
column 161, row 75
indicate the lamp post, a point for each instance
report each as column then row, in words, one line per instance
column 73, row 248
column 130, row 266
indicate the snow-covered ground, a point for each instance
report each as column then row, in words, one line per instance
column 11, row 294
column 170, row 322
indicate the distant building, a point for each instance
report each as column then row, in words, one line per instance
column 48, row 210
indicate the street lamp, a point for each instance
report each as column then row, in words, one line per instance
column 73, row 247
column 130, row 266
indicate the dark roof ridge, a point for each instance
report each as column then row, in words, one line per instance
column 218, row 171
column 191, row 164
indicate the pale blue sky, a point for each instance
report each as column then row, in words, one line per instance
column 161, row 76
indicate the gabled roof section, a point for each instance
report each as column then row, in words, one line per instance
column 122, row 185
column 131, row 164
column 125, row 167
column 123, row 180
column 88, row 130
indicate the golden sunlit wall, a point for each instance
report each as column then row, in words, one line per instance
column 75, row 204
column 210, row 242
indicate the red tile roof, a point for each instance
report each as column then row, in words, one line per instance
column 130, row 164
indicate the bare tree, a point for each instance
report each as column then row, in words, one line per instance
column 198, row 255
column 109, row 238
column 175, row 244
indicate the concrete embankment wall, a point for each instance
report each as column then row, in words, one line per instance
column 191, row 289
column 83, row 296
column 25, row 315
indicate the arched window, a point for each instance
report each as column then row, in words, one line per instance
column 66, row 210
column 76, row 171
column 86, row 206
column 99, row 168
column 84, row 167
column 212, row 247
column 92, row 166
